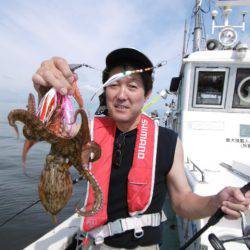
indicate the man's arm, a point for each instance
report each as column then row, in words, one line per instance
column 193, row 206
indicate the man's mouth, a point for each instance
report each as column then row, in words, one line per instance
column 121, row 107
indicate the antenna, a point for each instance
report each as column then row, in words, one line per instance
column 197, row 27
column 228, row 34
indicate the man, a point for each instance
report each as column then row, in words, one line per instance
column 155, row 117
column 139, row 161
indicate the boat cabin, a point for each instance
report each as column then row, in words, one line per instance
column 212, row 118
column 213, row 107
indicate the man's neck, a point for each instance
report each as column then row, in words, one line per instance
column 125, row 127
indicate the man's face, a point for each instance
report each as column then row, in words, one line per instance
column 125, row 99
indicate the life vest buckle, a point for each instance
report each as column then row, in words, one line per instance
column 138, row 233
column 98, row 240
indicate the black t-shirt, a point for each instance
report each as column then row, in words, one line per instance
column 117, row 197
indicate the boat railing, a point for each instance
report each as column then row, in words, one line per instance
column 195, row 167
column 235, row 171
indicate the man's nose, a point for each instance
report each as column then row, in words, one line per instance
column 122, row 93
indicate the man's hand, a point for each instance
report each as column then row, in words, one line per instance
column 231, row 200
column 53, row 73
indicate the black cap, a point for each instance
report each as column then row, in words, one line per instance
column 128, row 55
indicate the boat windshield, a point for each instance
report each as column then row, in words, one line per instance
column 210, row 86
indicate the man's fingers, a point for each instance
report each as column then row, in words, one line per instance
column 63, row 66
column 63, row 73
column 60, row 85
column 234, row 206
column 230, row 214
column 239, row 195
column 38, row 80
column 234, row 201
column 65, row 82
column 236, row 194
column 54, row 73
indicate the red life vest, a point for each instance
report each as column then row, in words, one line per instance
column 141, row 175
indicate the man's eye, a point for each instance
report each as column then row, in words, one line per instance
column 114, row 84
column 132, row 86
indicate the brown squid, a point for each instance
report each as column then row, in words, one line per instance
column 55, row 186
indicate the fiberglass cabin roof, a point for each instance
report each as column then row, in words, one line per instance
column 220, row 56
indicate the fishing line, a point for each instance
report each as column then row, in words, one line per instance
column 148, row 105
column 73, row 66
column 76, row 180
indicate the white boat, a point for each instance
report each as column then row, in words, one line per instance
column 212, row 118
column 61, row 237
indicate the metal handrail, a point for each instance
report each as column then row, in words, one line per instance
column 235, row 171
column 201, row 171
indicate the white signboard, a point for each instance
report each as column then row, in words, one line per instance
column 232, row 2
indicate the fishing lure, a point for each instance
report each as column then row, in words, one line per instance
column 68, row 114
column 53, row 102
column 47, row 106
column 113, row 79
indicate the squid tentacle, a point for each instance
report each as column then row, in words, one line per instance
column 96, row 150
column 27, row 145
column 83, row 133
column 17, row 115
column 32, row 124
column 31, row 104
column 98, row 196
column 90, row 152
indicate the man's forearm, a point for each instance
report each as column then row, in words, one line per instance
column 193, row 206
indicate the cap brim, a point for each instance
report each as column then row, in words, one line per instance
column 128, row 55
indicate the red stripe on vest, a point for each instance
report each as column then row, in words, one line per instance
column 140, row 179
column 140, row 175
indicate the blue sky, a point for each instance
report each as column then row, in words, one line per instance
column 85, row 31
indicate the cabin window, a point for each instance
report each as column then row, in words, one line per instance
column 210, row 87
column 241, row 97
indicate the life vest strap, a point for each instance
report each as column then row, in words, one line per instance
column 119, row 226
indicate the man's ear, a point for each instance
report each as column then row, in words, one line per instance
column 148, row 95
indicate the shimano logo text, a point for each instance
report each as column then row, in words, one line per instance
column 143, row 139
